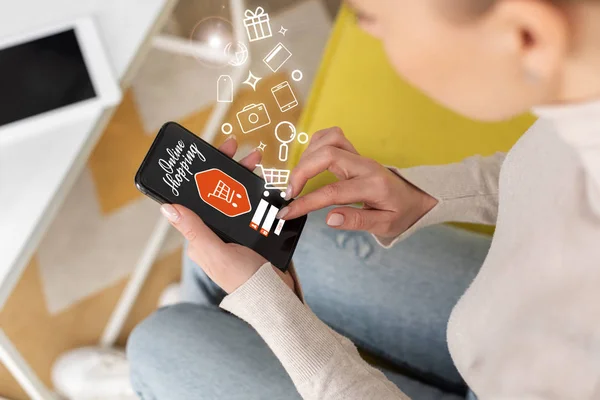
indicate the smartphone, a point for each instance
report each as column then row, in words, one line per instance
column 181, row 168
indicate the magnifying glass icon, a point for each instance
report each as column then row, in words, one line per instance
column 285, row 132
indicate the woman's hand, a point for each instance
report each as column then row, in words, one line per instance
column 228, row 265
column 391, row 204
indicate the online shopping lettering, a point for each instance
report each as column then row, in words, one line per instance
column 177, row 166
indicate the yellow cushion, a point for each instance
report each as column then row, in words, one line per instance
column 385, row 118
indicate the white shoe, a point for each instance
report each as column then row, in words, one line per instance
column 93, row 373
column 170, row 296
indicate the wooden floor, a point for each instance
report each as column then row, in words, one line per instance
column 41, row 337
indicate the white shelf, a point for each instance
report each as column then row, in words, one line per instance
column 36, row 173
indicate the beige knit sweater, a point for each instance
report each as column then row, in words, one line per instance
column 529, row 325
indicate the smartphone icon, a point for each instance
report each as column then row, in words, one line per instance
column 181, row 168
column 285, row 97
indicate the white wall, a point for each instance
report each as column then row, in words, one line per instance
column 21, row 15
column 122, row 23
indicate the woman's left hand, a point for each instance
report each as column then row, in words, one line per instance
column 229, row 265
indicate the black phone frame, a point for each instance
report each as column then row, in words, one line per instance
column 147, row 191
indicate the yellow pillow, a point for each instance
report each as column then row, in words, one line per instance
column 385, row 118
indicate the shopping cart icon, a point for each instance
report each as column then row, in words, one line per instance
column 275, row 178
column 224, row 192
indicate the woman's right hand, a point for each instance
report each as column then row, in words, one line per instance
column 391, row 205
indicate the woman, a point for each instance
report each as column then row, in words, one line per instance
column 528, row 327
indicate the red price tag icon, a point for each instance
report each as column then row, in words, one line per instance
column 222, row 192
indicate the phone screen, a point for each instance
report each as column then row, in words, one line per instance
column 42, row 75
column 181, row 168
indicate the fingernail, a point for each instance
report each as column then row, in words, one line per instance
column 335, row 220
column 283, row 212
column 170, row 212
column 232, row 136
column 288, row 192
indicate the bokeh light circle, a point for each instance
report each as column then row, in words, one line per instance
column 210, row 38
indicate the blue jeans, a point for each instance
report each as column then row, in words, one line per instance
column 394, row 304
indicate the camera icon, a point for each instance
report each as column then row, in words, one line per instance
column 253, row 117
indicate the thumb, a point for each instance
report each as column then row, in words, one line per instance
column 358, row 219
column 191, row 226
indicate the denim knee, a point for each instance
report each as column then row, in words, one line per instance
column 166, row 336
column 155, row 341
column 188, row 351
column 145, row 339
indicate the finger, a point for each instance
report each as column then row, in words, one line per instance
column 357, row 219
column 330, row 137
column 338, row 193
column 192, row 227
column 343, row 164
column 334, row 130
column 229, row 146
column 251, row 160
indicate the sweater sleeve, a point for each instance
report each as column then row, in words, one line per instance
column 466, row 192
column 322, row 364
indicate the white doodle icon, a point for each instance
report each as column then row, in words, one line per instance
column 297, row 75
column 225, row 89
column 237, row 53
column 283, row 31
column 277, row 57
column 285, row 132
column 227, row 128
column 257, row 24
column 285, row 97
column 275, row 178
column 253, row 117
column 303, row 137
column 252, row 80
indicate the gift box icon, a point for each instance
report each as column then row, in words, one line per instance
column 257, row 24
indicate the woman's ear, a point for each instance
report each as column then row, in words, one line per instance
column 538, row 36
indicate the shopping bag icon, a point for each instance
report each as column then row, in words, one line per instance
column 223, row 193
